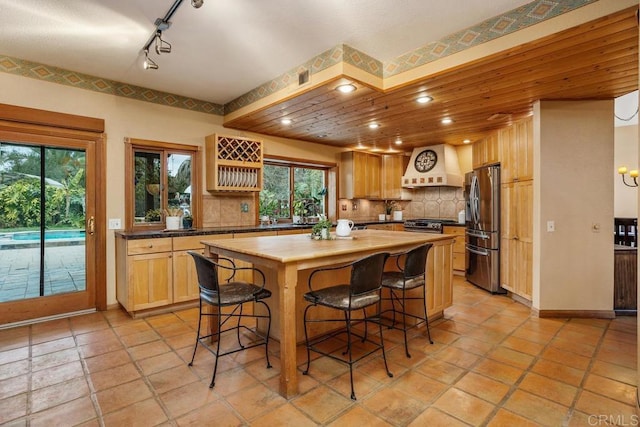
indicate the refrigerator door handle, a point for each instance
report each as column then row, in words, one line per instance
column 475, row 200
column 477, row 251
column 479, row 235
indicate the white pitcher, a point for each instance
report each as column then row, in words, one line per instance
column 344, row 227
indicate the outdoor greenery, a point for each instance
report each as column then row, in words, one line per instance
column 307, row 198
column 20, row 187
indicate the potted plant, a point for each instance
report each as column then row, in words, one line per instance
column 389, row 205
column 320, row 229
column 299, row 211
column 187, row 221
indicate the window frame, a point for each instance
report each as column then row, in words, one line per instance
column 291, row 163
column 165, row 148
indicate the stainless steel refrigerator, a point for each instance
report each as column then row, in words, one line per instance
column 482, row 237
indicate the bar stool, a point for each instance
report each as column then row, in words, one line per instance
column 410, row 276
column 362, row 292
column 231, row 294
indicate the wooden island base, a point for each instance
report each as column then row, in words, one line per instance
column 287, row 261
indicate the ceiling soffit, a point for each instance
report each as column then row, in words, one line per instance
column 597, row 59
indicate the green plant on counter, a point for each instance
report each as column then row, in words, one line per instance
column 323, row 223
column 153, row 215
column 389, row 205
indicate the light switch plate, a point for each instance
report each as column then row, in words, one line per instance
column 115, row 224
column 551, row 226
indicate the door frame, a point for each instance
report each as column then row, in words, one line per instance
column 25, row 122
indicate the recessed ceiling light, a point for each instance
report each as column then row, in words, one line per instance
column 398, row 141
column 346, row 88
column 373, row 125
column 423, row 99
column 285, row 121
column 466, row 141
column 446, row 121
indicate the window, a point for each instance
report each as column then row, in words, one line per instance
column 162, row 177
column 293, row 189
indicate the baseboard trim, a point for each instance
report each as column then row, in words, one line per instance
column 592, row 314
column 47, row 318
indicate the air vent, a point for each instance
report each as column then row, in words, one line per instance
column 303, row 77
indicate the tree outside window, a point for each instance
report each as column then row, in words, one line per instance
column 290, row 189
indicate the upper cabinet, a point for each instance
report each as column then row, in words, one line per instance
column 517, row 151
column 370, row 176
column 360, row 175
column 486, row 151
column 233, row 163
column 393, row 166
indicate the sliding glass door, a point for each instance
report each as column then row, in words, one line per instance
column 46, row 227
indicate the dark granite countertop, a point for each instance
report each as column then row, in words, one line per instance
column 154, row 234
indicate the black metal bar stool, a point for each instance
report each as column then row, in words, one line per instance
column 231, row 294
column 362, row 292
column 411, row 275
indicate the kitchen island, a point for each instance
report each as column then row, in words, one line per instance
column 287, row 261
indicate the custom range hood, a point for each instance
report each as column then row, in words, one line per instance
column 435, row 165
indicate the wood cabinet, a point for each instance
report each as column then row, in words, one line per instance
column 486, row 151
column 360, row 175
column 516, row 252
column 625, row 281
column 156, row 273
column 233, row 163
column 393, row 167
column 145, row 281
column 388, row 227
column 458, row 247
column 516, row 144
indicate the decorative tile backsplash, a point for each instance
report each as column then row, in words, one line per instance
column 427, row 202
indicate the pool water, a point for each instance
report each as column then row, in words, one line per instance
column 32, row 236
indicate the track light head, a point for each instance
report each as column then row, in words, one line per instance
column 197, row 3
column 162, row 46
column 149, row 63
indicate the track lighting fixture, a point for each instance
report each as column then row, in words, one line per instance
column 162, row 46
column 149, row 64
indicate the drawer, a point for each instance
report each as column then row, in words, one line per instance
column 187, row 243
column 148, row 246
column 458, row 245
column 458, row 261
column 458, row 231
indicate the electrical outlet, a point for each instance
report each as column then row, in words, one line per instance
column 115, row 224
column 354, row 206
column 344, row 206
column 244, row 207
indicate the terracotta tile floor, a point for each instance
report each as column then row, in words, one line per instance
column 491, row 364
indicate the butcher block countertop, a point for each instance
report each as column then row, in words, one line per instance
column 287, row 261
column 299, row 247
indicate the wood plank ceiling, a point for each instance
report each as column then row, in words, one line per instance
column 598, row 60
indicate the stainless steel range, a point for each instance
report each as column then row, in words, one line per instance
column 426, row 225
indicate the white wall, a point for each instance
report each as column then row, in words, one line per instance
column 626, row 154
column 573, row 160
column 136, row 119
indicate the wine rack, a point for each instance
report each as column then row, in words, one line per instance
column 233, row 163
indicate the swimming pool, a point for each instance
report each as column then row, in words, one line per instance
column 32, row 236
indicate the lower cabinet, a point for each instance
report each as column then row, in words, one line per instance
column 388, row 227
column 156, row 273
column 516, row 267
column 458, row 247
column 144, row 273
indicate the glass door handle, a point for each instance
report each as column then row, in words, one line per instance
column 92, row 226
